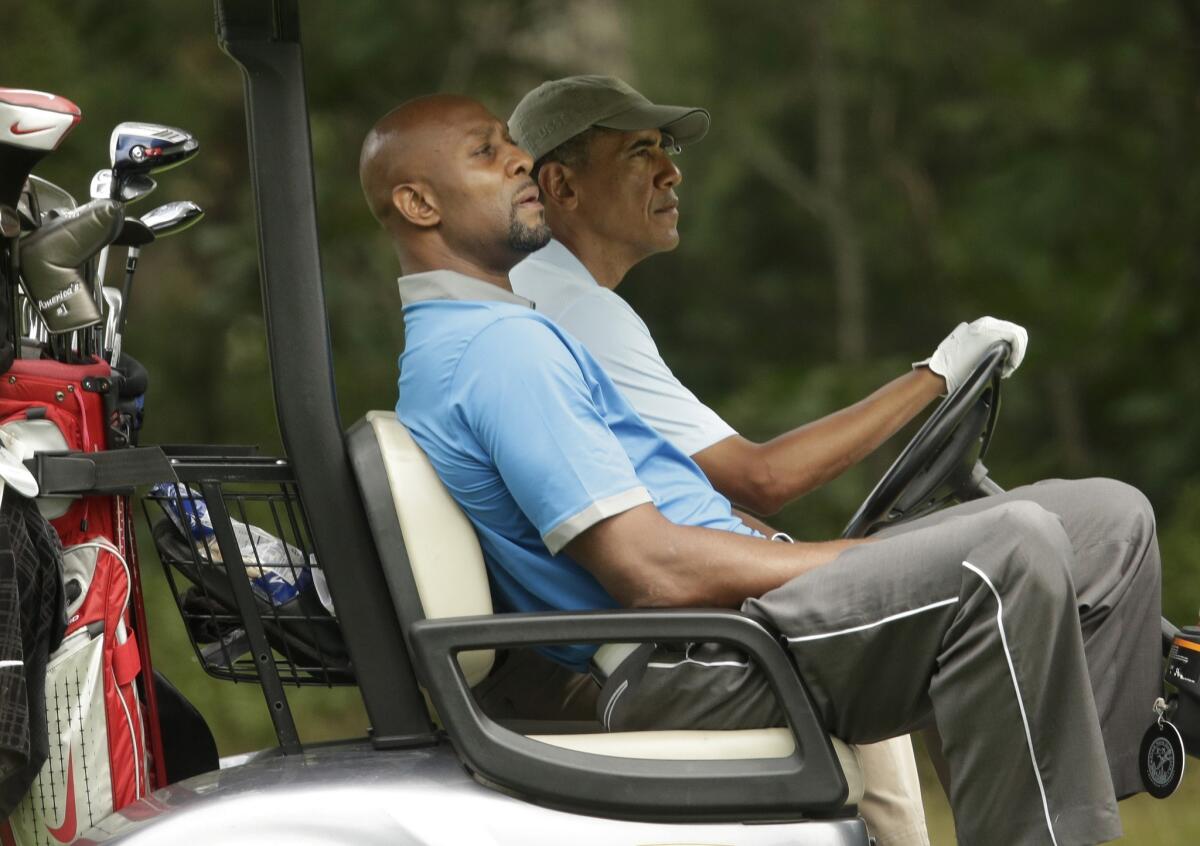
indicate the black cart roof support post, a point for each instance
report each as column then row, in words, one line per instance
column 263, row 37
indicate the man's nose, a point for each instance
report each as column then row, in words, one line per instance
column 518, row 160
column 668, row 175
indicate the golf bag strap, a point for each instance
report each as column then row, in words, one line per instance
column 118, row 471
column 126, row 661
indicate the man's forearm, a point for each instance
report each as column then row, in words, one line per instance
column 708, row 567
column 644, row 560
column 820, row 451
column 764, row 477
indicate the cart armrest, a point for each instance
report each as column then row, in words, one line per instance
column 808, row 781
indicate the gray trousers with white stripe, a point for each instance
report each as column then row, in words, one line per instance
column 1024, row 627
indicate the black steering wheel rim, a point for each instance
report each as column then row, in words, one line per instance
column 937, row 451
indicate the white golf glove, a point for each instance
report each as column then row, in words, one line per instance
column 956, row 357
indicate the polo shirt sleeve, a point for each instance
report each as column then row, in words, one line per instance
column 528, row 404
column 620, row 340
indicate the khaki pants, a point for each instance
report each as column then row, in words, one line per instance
column 891, row 802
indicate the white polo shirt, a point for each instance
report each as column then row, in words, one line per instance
column 562, row 289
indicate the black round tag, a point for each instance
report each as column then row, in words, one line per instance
column 1162, row 759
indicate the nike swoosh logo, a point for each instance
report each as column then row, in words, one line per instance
column 16, row 129
column 65, row 833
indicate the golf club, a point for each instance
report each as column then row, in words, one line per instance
column 138, row 149
column 51, row 257
column 32, row 325
column 138, row 185
column 170, row 218
column 145, row 148
column 32, row 124
column 134, row 233
column 50, row 198
column 112, row 303
column 167, row 219
column 41, row 203
column 10, row 222
column 135, row 187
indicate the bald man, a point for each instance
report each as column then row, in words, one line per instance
column 983, row 620
column 400, row 165
column 415, row 184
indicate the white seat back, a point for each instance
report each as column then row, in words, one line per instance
column 447, row 563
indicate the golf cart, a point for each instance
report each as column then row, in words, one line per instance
column 414, row 628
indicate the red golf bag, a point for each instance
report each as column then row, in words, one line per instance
column 95, row 684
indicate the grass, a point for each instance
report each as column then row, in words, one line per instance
column 1147, row 822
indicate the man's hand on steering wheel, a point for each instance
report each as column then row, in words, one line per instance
column 943, row 462
column 956, row 357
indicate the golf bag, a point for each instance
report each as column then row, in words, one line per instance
column 96, row 720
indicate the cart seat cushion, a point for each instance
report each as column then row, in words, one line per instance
column 705, row 746
column 442, row 550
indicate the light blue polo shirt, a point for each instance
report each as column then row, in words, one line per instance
column 533, row 441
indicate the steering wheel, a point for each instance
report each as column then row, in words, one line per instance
column 939, row 465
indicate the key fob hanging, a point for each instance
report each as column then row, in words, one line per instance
column 1161, row 759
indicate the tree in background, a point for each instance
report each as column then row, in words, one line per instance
column 875, row 173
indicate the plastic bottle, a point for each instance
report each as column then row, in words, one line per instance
column 278, row 571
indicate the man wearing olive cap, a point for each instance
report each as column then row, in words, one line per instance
column 601, row 158
column 609, row 187
column 631, row 212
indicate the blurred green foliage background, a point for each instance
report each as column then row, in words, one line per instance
column 875, row 173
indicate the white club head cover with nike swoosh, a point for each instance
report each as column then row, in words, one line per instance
column 957, row 355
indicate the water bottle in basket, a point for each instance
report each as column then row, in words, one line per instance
column 278, row 572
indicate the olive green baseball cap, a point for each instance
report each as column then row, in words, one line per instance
column 558, row 110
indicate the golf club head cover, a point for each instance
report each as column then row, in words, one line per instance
column 956, row 356
column 32, row 124
column 50, row 260
column 135, row 379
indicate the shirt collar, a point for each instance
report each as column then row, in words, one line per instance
column 450, row 285
column 558, row 256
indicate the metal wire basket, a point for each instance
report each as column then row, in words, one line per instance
column 235, row 547
column 247, row 573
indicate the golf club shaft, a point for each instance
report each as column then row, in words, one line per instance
column 131, row 263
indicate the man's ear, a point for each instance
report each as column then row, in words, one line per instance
column 557, row 182
column 416, row 204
